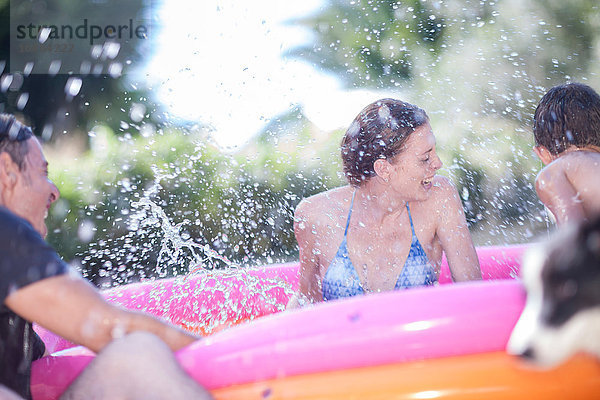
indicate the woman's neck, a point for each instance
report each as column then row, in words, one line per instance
column 375, row 204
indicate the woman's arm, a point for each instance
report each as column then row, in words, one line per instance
column 309, row 290
column 454, row 235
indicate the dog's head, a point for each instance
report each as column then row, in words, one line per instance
column 562, row 313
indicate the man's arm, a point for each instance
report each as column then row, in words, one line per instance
column 72, row 308
column 455, row 237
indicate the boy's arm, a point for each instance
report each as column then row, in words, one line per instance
column 558, row 194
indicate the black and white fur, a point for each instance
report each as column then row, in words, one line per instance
column 562, row 313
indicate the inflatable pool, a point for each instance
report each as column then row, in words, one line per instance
column 443, row 342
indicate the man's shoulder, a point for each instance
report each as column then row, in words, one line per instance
column 13, row 226
column 25, row 257
column 7, row 216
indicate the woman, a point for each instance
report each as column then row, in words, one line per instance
column 388, row 228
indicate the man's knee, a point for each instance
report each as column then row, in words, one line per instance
column 136, row 342
column 126, row 368
column 7, row 394
column 136, row 348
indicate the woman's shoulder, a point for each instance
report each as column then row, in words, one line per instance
column 323, row 204
column 444, row 195
column 443, row 187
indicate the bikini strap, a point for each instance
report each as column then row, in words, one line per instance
column 349, row 213
column 412, row 227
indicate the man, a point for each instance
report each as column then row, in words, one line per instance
column 135, row 357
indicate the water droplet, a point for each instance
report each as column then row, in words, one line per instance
column 86, row 231
column 22, row 100
column 54, row 67
column 73, row 86
column 28, row 68
column 44, row 34
column 96, row 51
column 111, row 50
column 85, row 67
column 47, row 132
column 115, row 69
column 5, row 82
column 137, row 112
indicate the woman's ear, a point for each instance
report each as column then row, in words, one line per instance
column 382, row 168
column 544, row 154
column 8, row 171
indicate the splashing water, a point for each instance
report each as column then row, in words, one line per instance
column 173, row 243
column 204, row 300
column 211, row 301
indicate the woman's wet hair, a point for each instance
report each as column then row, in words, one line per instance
column 13, row 139
column 567, row 115
column 379, row 131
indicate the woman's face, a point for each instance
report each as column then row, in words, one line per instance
column 413, row 169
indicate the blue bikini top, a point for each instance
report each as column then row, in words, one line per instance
column 341, row 278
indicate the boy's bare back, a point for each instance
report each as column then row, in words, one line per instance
column 569, row 187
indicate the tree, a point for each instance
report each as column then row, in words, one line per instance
column 375, row 43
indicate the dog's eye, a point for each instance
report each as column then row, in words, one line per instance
column 566, row 289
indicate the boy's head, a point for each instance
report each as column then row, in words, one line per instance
column 568, row 115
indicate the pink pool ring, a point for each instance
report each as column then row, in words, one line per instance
column 368, row 332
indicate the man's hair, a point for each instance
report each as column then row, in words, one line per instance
column 379, row 131
column 13, row 139
column 568, row 115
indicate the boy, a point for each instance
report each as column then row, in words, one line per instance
column 566, row 127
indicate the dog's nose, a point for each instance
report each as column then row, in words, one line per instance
column 528, row 353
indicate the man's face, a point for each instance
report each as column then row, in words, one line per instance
column 33, row 192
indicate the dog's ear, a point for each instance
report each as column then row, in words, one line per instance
column 565, row 250
column 593, row 243
column 592, row 239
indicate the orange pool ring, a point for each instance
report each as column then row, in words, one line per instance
column 490, row 376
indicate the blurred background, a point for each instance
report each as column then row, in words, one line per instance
column 194, row 149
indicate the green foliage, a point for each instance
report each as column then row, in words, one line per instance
column 375, row 43
column 156, row 204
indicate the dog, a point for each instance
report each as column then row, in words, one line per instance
column 562, row 312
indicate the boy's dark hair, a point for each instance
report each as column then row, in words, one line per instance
column 13, row 139
column 567, row 115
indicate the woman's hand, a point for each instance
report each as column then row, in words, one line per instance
column 309, row 290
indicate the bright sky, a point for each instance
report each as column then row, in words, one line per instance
column 220, row 62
